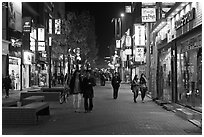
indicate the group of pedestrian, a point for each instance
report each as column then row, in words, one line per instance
column 82, row 87
column 139, row 84
column 58, row 79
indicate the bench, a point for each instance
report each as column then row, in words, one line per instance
column 27, row 114
column 32, row 99
column 55, row 89
column 48, row 96
column 34, row 90
column 11, row 103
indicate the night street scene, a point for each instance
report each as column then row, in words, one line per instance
column 101, row 68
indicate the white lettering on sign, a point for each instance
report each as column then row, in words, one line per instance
column 185, row 19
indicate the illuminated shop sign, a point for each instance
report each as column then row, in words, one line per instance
column 13, row 61
column 27, row 24
column 128, row 9
column 28, row 57
column 148, row 14
column 41, row 34
column 185, row 19
column 57, row 26
column 139, row 54
column 50, row 26
column 41, row 46
column 118, row 44
column 139, row 34
column 128, row 41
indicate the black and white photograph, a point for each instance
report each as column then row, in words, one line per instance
column 101, row 67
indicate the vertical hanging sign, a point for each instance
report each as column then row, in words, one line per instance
column 139, row 35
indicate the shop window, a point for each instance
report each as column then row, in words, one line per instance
column 189, row 77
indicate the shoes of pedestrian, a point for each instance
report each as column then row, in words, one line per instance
column 6, row 96
column 86, row 111
column 143, row 101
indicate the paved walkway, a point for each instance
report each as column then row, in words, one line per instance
column 109, row 117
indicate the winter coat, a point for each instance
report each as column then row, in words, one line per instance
column 7, row 83
column 88, row 84
column 72, row 86
column 116, row 81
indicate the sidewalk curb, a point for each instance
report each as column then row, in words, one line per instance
column 170, row 107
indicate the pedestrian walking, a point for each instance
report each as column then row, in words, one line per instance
column 7, row 85
column 135, row 86
column 103, row 79
column 13, row 80
column 76, row 89
column 88, row 93
column 115, row 84
column 143, row 86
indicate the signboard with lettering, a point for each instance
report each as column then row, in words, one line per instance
column 128, row 9
column 41, row 46
column 139, row 34
column 27, row 24
column 185, row 19
column 148, row 15
column 41, row 34
column 57, row 26
column 139, row 54
column 118, row 44
column 128, row 41
column 192, row 43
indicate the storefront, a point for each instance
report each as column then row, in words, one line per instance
column 189, row 71
column 14, row 71
column 164, row 74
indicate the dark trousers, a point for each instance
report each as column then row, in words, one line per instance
column 143, row 92
column 88, row 104
column 7, row 92
column 135, row 94
column 115, row 92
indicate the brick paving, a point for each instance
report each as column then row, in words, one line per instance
column 109, row 117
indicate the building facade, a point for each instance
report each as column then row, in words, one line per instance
column 177, row 55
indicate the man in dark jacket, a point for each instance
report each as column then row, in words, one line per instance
column 7, row 84
column 88, row 94
column 115, row 84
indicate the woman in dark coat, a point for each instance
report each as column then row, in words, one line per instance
column 135, row 88
column 115, row 84
column 88, row 94
column 76, row 89
column 143, row 86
